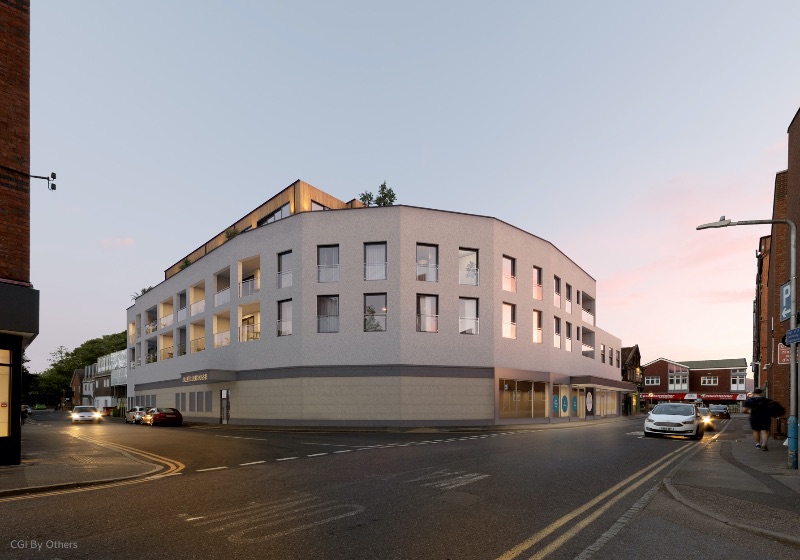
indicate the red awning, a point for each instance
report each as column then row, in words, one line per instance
column 693, row 396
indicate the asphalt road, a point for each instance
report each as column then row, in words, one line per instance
column 529, row 493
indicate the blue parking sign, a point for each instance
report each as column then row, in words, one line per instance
column 786, row 301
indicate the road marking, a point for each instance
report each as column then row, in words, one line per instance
column 251, row 463
column 649, row 470
column 211, row 469
column 343, row 451
column 316, row 455
column 286, row 459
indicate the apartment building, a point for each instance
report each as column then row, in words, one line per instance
column 313, row 311
column 712, row 381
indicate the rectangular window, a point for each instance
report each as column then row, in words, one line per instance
column 192, row 400
column 678, row 382
column 509, row 320
column 317, row 207
column 537, row 283
column 427, row 263
column 468, row 315
column 328, row 263
column 468, row 271
column 602, row 353
column 709, row 380
column 509, row 274
column 568, row 299
column 557, row 332
column 537, row 326
column 285, row 317
column 282, row 212
column 738, row 380
column 427, row 313
column 374, row 261
column 578, row 297
column 200, row 407
column 327, row 314
column 557, row 291
column 652, row 381
column 285, row 269
column 568, row 336
column 374, row 312
column 617, row 358
column 209, row 404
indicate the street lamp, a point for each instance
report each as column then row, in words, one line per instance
column 792, row 321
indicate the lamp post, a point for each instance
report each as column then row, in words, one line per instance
column 792, row 321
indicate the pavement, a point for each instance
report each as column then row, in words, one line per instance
column 725, row 477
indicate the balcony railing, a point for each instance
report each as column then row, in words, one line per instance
column 198, row 307
column 509, row 283
column 181, row 314
column 327, row 323
column 285, row 279
column 222, row 339
column 537, row 336
column 181, row 349
column 167, row 320
column 132, row 365
column 568, row 306
column 249, row 287
column 166, row 353
column 328, row 273
column 374, row 322
column 509, row 330
column 151, row 327
column 131, row 338
column 557, row 299
column 587, row 350
column 568, row 344
column 557, row 341
column 468, row 325
column 249, row 332
column 427, row 323
column 427, row 273
column 469, row 276
column 198, row 344
column 222, row 297
column 284, row 327
column 587, row 316
column 537, row 291
column 375, row 271
column 151, row 357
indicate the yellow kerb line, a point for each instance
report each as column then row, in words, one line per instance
column 528, row 543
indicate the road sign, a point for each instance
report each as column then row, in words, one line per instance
column 786, row 301
column 793, row 336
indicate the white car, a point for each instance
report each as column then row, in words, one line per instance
column 85, row 414
column 135, row 414
column 675, row 419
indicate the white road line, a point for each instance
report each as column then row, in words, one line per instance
column 286, row 459
column 343, row 451
column 316, row 455
column 211, row 469
column 253, row 463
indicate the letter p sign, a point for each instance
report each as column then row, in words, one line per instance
column 786, row 301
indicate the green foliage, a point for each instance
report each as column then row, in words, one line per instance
column 370, row 323
column 142, row 292
column 230, row 233
column 386, row 197
column 186, row 263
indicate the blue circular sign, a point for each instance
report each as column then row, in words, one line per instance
column 555, row 404
column 575, row 405
column 564, row 403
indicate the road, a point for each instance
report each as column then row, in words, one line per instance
column 238, row 493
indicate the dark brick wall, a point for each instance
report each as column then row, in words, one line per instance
column 14, row 141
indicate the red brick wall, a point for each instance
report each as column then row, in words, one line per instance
column 15, row 140
column 656, row 369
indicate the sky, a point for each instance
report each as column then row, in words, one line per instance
column 611, row 129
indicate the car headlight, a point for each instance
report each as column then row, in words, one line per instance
column 74, row 416
column 689, row 422
column 649, row 419
column 97, row 415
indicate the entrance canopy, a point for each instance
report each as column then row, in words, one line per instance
column 694, row 396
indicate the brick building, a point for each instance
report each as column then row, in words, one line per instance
column 19, row 319
column 712, row 381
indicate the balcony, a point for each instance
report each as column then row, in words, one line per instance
column 222, row 297
column 151, row 327
column 198, row 307
column 537, row 336
column 568, row 344
column 509, row 283
column 284, row 328
column 249, row 332
column 166, row 353
column 167, row 320
column 557, row 341
column 568, row 306
column 327, row 273
column 468, row 325
column 375, row 271
column 131, row 338
column 587, row 316
column 284, row 279
column 181, row 349
column 587, row 350
column 249, row 287
column 222, row 339
column 427, row 272
column 428, row 323
column 198, row 344
column 151, row 357
column 557, row 300
column 181, row 314
column 509, row 330
column 537, row 291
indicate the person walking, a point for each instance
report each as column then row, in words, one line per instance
column 24, row 414
column 760, row 418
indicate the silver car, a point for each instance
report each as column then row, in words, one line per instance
column 674, row 419
column 86, row 414
column 135, row 414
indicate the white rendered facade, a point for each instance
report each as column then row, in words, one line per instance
column 226, row 346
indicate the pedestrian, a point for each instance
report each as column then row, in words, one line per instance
column 760, row 418
column 24, row 414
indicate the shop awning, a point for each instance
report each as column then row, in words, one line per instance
column 694, row 396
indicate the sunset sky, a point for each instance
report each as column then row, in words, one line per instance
column 611, row 129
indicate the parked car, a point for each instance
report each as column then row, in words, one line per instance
column 40, row 407
column 719, row 411
column 674, row 419
column 135, row 414
column 708, row 419
column 85, row 414
column 163, row 416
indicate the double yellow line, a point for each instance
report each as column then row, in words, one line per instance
column 635, row 480
column 172, row 467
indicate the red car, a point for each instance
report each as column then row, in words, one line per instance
column 163, row 416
